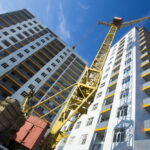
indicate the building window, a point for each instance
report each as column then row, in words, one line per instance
column 122, row 111
column 53, row 64
column 19, row 28
column 44, row 74
column 99, row 94
column 95, row 106
column 5, row 42
column 89, row 122
column 127, row 55
column 31, row 86
column 119, row 135
column 72, row 138
column 61, row 57
column 43, row 41
column 83, row 139
column 24, row 94
column 4, row 65
column 31, row 31
column 26, row 33
column 13, row 59
column 5, row 33
column 13, row 39
column 20, row 36
column 102, row 85
column 33, row 47
column 105, row 76
column 1, row 47
column 128, row 61
column 25, row 25
column 37, row 80
column 36, row 29
column 47, row 38
column 38, row 44
column 125, row 80
column 68, row 50
column 13, row 30
column 127, row 69
column 26, row 50
column 107, row 69
column 41, row 27
column 124, row 93
column 78, row 125
column 65, row 53
column 58, row 60
column 20, row 55
column 49, row 69
column 30, row 23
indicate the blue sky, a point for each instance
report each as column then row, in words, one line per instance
column 71, row 19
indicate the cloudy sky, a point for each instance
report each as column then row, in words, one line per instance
column 71, row 19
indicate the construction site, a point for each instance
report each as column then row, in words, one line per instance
column 52, row 98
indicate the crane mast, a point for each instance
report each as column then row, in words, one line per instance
column 83, row 91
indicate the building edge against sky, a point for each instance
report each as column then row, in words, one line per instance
column 119, row 117
column 33, row 57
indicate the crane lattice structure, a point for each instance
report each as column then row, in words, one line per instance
column 84, row 90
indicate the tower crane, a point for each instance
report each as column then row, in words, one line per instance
column 83, row 91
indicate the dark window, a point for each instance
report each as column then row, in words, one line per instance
column 13, row 59
column 25, row 25
column 99, row 94
column 23, row 93
column 95, row 106
column 37, row 80
column 125, row 80
column 47, row 38
column 32, row 47
column 78, row 125
column 20, row 36
column 58, row 60
column 124, row 93
column 26, row 33
column 1, row 47
column 61, row 56
column 38, row 44
column 53, row 64
column 44, row 74
column 5, row 33
column 68, row 50
column 20, row 55
column 26, row 50
column 31, row 86
column 41, row 27
column 13, row 39
column 12, row 30
column 65, row 53
column 30, row 23
column 43, row 41
column 127, row 69
column 35, row 22
column 119, row 135
column 4, row 65
column 49, row 69
column 36, row 29
column 122, row 111
column 19, row 28
column 6, row 42
column 103, row 84
column 128, row 61
column 31, row 31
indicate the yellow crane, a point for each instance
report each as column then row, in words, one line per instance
column 83, row 91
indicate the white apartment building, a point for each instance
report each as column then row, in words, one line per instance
column 119, row 117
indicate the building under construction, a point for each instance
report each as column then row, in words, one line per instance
column 103, row 107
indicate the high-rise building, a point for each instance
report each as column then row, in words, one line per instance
column 33, row 57
column 119, row 117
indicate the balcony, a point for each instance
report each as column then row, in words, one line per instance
column 114, row 73
column 145, row 56
column 146, row 88
column 146, row 103
column 113, row 82
column 110, row 95
column 106, row 108
column 146, row 64
column 102, row 126
column 143, row 49
column 147, row 126
column 146, row 75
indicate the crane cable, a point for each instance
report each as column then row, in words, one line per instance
column 85, row 35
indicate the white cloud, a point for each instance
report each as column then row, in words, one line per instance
column 62, row 27
column 85, row 7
